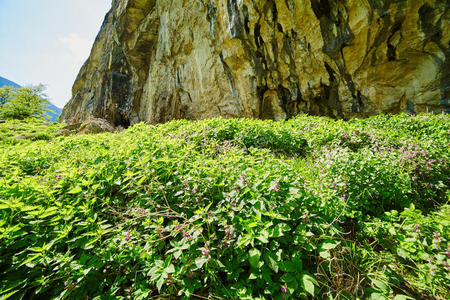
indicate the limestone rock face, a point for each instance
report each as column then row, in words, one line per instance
column 158, row 60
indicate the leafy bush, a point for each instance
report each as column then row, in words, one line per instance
column 229, row 209
column 22, row 103
column 417, row 244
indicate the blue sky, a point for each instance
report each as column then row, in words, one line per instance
column 47, row 41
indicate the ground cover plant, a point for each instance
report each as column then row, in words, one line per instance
column 223, row 209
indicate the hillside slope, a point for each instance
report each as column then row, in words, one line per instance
column 226, row 209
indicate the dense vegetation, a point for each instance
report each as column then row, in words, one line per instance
column 310, row 207
column 23, row 102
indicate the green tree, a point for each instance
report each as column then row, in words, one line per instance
column 21, row 103
column 4, row 95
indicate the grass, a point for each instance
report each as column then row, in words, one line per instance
column 307, row 208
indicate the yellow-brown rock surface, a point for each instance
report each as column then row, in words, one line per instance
column 157, row 60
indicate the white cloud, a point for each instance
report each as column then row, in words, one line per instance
column 78, row 47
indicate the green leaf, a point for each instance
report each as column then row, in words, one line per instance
column 200, row 261
column 381, row 286
column 271, row 260
column 287, row 277
column 292, row 286
column 325, row 254
column 266, row 274
column 329, row 244
column 170, row 269
column 377, row 296
column 254, row 256
column 278, row 230
column 263, row 236
column 402, row 297
column 75, row 190
column 6, row 296
column 308, row 283
column 298, row 264
column 287, row 266
column 402, row 253
column 160, row 283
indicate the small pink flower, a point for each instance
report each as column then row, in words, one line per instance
column 205, row 251
column 284, row 289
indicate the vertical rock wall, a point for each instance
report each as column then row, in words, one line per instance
column 157, row 60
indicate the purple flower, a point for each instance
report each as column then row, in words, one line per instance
column 186, row 235
column 194, row 191
column 275, row 187
column 205, row 251
column 437, row 236
column 284, row 289
column 128, row 236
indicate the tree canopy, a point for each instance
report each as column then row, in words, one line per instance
column 22, row 103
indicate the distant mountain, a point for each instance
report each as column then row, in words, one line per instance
column 6, row 82
column 53, row 114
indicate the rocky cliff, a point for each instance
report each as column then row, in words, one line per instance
column 157, row 60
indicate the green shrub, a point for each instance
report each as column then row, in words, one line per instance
column 22, row 103
column 229, row 209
